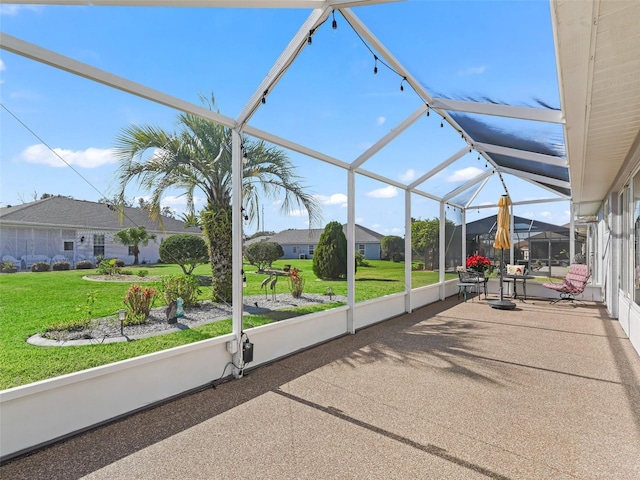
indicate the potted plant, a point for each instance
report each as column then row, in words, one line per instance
column 478, row 263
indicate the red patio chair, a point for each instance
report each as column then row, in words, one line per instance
column 573, row 284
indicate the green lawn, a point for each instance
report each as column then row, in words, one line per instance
column 30, row 302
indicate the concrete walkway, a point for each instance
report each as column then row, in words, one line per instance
column 452, row 391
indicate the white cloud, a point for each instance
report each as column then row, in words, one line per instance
column 360, row 220
column 376, row 225
column 409, row 175
column 2, row 65
column 479, row 70
column 365, row 145
column 380, row 121
column 276, row 203
column 545, row 214
column 333, row 199
column 464, row 174
column 89, row 158
column 297, row 213
column 386, row 192
column 174, row 201
column 15, row 9
column 394, row 231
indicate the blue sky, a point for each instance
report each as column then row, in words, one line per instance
column 329, row 100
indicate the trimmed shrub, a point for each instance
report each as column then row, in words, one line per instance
column 330, row 256
column 186, row 287
column 392, row 248
column 263, row 254
column 40, row 267
column 361, row 261
column 185, row 250
column 8, row 267
column 84, row 265
column 61, row 265
column 119, row 263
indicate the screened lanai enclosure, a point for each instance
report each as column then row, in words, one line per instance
column 390, row 112
column 536, row 245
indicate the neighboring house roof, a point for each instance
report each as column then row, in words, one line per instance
column 262, row 238
column 63, row 212
column 312, row 236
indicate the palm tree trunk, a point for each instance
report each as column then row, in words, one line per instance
column 217, row 228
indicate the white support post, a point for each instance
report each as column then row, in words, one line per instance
column 511, row 229
column 407, row 250
column 236, row 257
column 351, row 249
column 442, row 250
column 572, row 233
column 464, row 236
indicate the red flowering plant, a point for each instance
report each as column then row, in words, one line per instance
column 478, row 263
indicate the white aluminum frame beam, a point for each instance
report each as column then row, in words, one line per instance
column 535, row 177
column 393, row 62
column 209, row 3
column 546, row 187
column 389, row 137
column 496, row 110
column 468, row 185
column 523, row 154
column 285, row 60
column 296, row 147
column 459, row 154
column 527, row 202
column 48, row 57
column 477, row 192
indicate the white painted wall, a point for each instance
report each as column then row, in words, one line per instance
column 43, row 411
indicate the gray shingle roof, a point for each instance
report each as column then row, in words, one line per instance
column 71, row 213
column 306, row 236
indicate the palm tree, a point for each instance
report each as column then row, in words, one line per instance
column 134, row 236
column 197, row 157
column 190, row 219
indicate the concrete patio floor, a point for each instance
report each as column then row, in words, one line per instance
column 451, row 391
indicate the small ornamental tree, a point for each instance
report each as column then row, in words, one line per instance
column 134, row 237
column 330, row 256
column 263, row 254
column 392, row 248
column 184, row 249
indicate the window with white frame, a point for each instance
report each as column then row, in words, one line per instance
column 624, row 229
column 98, row 245
column 636, row 237
column 361, row 248
column 295, row 249
column 312, row 249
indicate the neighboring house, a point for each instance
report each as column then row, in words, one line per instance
column 302, row 243
column 62, row 227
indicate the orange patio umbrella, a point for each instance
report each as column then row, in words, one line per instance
column 503, row 241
